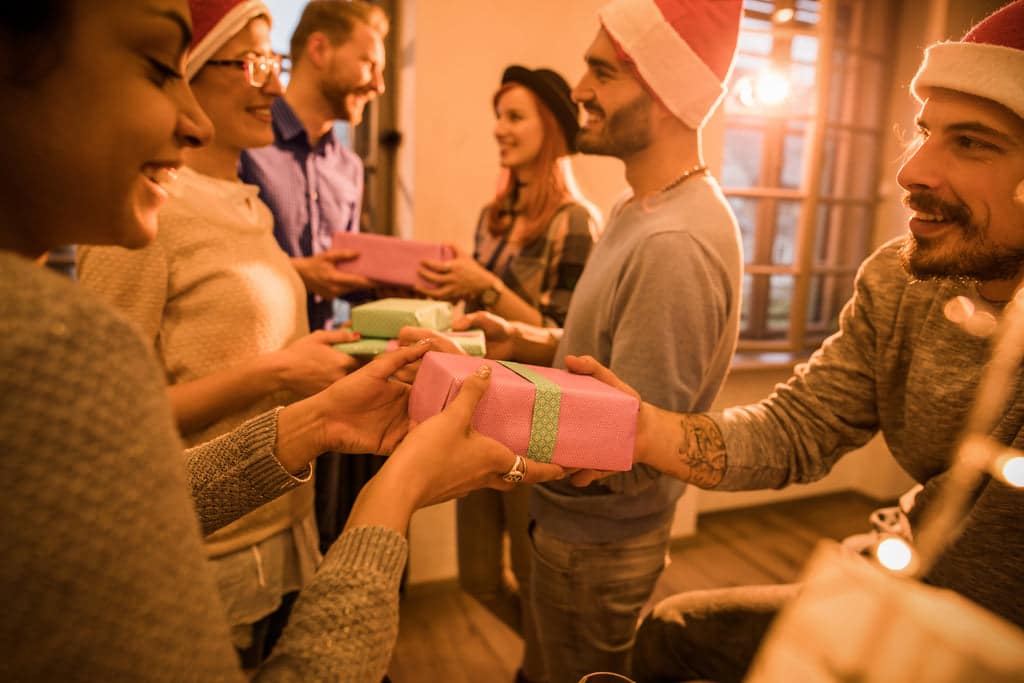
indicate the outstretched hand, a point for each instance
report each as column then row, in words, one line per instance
column 588, row 365
column 458, row 278
column 366, row 411
column 497, row 331
column 321, row 276
column 443, row 458
column 309, row 364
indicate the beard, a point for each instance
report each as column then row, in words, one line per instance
column 971, row 258
column 626, row 132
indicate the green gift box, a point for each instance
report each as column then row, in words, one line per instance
column 472, row 342
column 366, row 347
column 384, row 318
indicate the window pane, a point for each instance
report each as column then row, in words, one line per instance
column 742, row 157
column 780, row 299
column 801, row 89
column 849, row 168
column 745, row 306
column 764, row 6
column 791, row 174
column 755, row 43
column 827, row 296
column 842, row 235
column 746, row 213
column 857, row 90
column 804, row 49
column 787, row 216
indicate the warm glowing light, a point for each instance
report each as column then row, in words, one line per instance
column 959, row 309
column 783, row 15
column 771, row 88
column 767, row 89
column 894, row 554
column 1010, row 468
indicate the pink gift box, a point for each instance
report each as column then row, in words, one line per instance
column 389, row 259
column 596, row 422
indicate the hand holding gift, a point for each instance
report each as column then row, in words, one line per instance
column 655, row 427
column 460, row 277
column 309, row 364
column 443, row 458
column 322, row 276
column 544, row 414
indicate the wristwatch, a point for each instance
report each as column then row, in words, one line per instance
column 490, row 296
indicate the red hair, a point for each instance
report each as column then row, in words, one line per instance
column 541, row 198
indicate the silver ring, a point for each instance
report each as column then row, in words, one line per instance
column 517, row 473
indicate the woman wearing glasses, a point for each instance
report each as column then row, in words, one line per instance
column 226, row 313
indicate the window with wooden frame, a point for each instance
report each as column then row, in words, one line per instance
column 804, row 126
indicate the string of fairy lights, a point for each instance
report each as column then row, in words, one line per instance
column 977, row 454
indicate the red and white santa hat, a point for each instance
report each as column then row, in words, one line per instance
column 215, row 22
column 987, row 62
column 682, row 49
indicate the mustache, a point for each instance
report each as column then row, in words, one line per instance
column 592, row 108
column 926, row 202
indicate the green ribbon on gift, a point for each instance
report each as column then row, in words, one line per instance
column 546, row 404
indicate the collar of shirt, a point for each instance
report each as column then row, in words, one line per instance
column 288, row 128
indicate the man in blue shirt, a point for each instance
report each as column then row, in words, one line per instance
column 312, row 182
column 313, row 185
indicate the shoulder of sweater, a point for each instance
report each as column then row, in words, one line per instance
column 49, row 313
column 882, row 272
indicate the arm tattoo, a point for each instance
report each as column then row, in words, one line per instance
column 702, row 450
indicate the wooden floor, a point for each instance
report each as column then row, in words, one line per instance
column 447, row 636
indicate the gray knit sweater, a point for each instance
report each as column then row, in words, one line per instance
column 102, row 572
column 659, row 304
column 897, row 366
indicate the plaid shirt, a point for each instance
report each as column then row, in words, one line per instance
column 544, row 272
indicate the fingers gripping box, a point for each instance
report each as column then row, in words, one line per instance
column 541, row 413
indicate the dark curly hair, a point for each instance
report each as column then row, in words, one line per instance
column 34, row 33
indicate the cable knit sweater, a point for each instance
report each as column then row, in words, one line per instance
column 103, row 576
column 212, row 290
column 897, row 366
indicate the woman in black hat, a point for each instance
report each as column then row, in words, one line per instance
column 535, row 235
column 532, row 241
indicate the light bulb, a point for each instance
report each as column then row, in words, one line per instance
column 772, row 88
column 783, row 15
column 894, row 554
column 1009, row 468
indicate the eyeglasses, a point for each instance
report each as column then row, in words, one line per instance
column 258, row 68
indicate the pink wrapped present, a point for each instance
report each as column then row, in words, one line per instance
column 541, row 413
column 388, row 259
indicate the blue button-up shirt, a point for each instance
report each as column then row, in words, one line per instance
column 313, row 192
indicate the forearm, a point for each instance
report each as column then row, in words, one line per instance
column 240, row 471
column 201, row 402
column 512, row 307
column 687, row 446
column 345, row 623
column 383, row 501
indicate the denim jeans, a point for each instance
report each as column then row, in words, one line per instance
column 587, row 598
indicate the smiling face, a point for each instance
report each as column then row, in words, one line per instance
column 518, row 129
column 618, row 109
column 961, row 178
column 354, row 74
column 92, row 138
column 240, row 113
